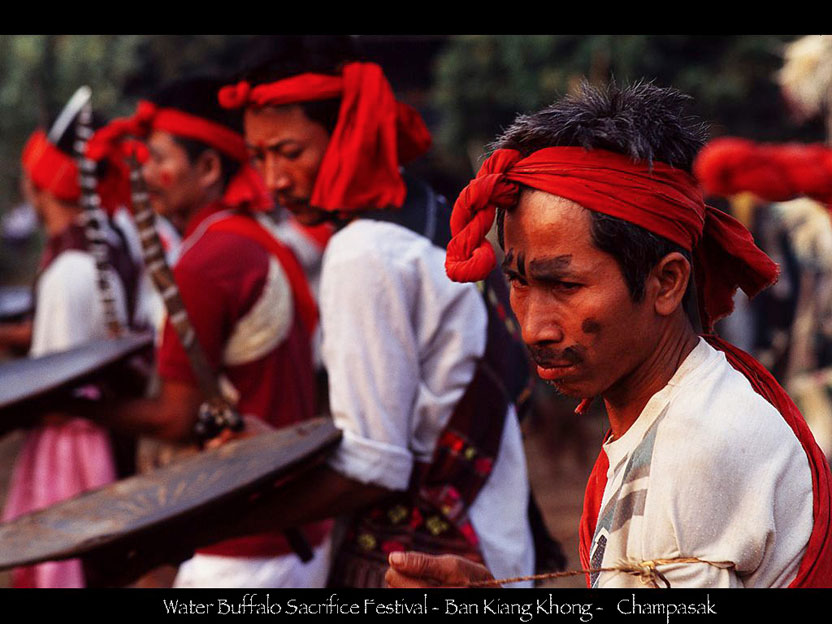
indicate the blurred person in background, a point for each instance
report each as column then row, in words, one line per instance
column 425, row 376
column 64, row 456
column 249, row 304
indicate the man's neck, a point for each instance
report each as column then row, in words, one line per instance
column 58, row 216
column 627, row 398
column 184, row 220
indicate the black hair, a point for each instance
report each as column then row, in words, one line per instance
column 197, row 95
column 643, row 121
column 66, row 142
column 274, row 58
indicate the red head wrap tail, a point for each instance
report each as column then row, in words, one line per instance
column 469, row 256
column 375, row 134
column 113, row 144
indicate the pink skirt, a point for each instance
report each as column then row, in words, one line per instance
column 57, row 461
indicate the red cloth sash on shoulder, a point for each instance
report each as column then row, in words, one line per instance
column 250, row 228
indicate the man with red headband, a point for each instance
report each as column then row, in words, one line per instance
column 248, row 302
column 65, row 456
column 708, row 470
column 431, row 454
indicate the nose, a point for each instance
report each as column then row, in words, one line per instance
column 275, row 175
column 540, row 323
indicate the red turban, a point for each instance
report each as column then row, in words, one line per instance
column 658, row 198
column 49, row 168
column 245, row 189
column 729, row 165
column 375, row 134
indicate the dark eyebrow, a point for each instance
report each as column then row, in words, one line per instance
column 550, row 268
column 274, row 146
column 521, row 264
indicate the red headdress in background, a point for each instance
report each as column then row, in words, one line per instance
column 52, row 170
column 773, row 172
column 49, row 168
column 375, row 134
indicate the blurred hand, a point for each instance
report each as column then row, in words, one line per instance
column 253, row 426
column 415, row 569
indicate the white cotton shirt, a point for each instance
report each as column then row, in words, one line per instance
column 68, row 309
column 400, row 343
column 709, row 470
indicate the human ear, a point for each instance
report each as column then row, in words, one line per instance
column 670, row 280
column 209, row 167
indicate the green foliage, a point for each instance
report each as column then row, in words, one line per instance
column 483, row 82
column 39, row 73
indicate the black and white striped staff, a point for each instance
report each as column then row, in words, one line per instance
column 216, row 413
column 91, row 202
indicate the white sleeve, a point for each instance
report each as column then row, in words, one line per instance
column 372, row 360
column 68, row 309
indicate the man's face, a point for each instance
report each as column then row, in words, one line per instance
column 575, row 311
column 287, row 149
column 173, row 182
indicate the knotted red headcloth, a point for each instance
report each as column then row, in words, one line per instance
column 728, row 165
column 661, row 199
column 375, row 134
column 49, row 168
column 245, row 189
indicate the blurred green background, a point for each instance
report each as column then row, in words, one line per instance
column 467, row 87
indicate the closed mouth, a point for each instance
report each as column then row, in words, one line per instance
column 553, row 371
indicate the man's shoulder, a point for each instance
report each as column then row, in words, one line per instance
column 372, row 249
column 716, row 409
column 371, row 236
column 218, row 252
column 73, row 267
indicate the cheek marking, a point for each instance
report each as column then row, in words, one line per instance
column 590, row 326
column 165, row 179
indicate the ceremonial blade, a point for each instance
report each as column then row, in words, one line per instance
column 216, row 413
column 79, row 99
column 94, row 226
column 216, row 410
column 15, row 302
